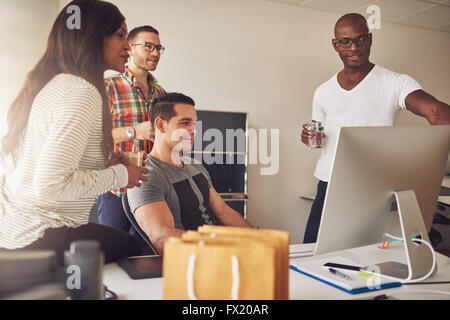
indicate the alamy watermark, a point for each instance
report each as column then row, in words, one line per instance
column 73, row 281
column 374, row 280
column 374, row 20
column 236, row 141
column 74, row 20
column 234, row 146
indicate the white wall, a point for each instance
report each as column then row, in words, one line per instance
column 26, row 25
column 266, row 59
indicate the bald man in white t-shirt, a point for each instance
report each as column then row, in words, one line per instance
column 362, row 94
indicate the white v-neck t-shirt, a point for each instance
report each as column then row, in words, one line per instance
column 375, row 101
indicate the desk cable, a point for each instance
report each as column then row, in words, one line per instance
column 391, row 294
column 417, row 281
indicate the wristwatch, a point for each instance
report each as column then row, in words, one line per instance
column 131, row 133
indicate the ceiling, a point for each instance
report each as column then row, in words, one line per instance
column 427, row 14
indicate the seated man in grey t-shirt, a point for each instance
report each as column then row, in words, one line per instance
column 177, row 195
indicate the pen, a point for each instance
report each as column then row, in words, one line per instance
column 339, row 274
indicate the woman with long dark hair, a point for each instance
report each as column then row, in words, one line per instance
column 57, row 153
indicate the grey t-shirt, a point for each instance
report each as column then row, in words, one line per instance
column 185, row 190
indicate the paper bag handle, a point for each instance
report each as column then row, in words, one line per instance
column 234, row 272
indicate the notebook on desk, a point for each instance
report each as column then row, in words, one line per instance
column 355, row 282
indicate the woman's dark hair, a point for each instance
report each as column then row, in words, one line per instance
column 164, row 105
column 77, row 51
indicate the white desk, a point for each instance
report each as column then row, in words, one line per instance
column 301, row 287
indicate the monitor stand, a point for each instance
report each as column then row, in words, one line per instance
column 419, row 258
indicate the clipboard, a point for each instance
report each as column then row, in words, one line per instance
column 360, row 281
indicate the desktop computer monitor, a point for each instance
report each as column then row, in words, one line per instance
column 371, row 165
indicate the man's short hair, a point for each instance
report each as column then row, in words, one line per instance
column 164, row 105
column 133, row 33
column 352, row 16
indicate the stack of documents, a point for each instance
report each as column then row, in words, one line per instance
column 347, row 280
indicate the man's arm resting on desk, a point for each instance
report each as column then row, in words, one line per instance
column 156, row 220
column 224, row 214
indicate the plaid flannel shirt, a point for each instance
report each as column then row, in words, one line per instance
column 129, row 108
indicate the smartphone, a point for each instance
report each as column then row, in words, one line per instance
column 142, row 267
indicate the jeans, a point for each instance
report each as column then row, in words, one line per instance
column 312, row 227
column 111, row 214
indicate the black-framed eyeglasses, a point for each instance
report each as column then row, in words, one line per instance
column 150, row 47
column 347, row 43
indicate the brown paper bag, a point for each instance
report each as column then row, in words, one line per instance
column 279, row 238
column 281, row 271
column 218, row 270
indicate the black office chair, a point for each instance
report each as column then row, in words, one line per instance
column 130, row 216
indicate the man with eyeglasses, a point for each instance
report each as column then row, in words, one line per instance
column 131, row 97
column 362, row 94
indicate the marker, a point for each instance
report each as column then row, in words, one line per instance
column 339, row 274
column 343, row 266
column 385, row 244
